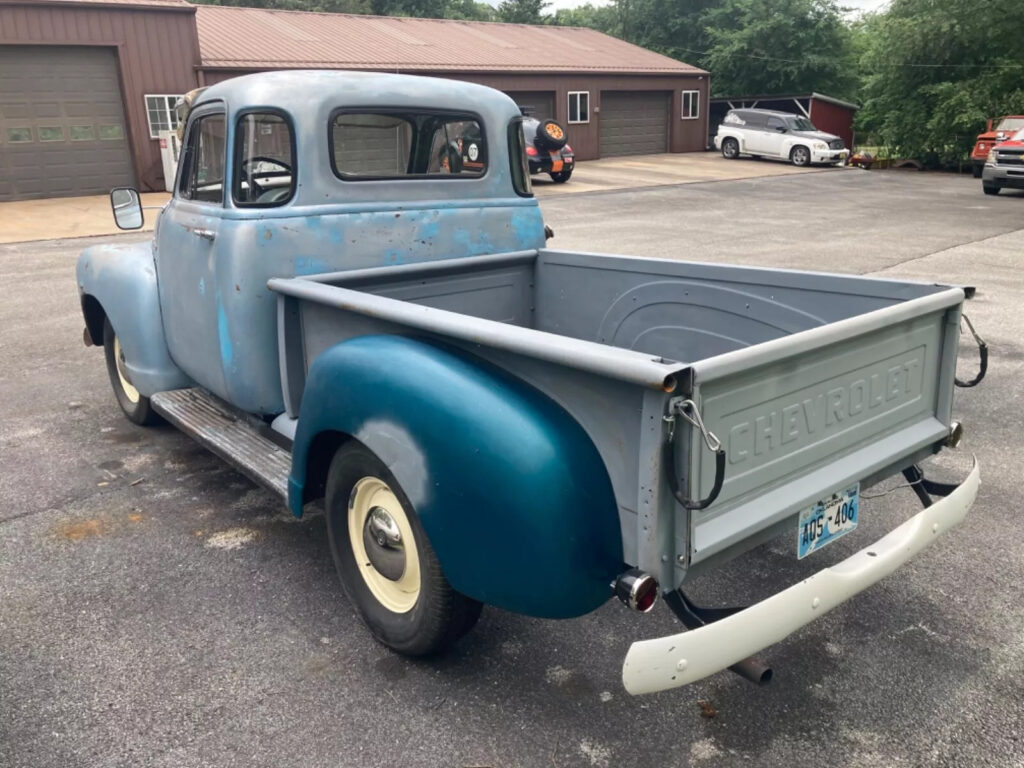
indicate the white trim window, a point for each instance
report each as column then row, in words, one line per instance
column 160, row 113
column 691, row 105
column 579, row 107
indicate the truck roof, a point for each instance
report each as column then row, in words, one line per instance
column 298, row 90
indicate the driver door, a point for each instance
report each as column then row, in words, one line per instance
column 190, row 298
column 772, row 137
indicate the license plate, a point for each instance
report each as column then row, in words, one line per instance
column 556, row 165
column 826, row 520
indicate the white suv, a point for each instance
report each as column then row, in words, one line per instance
column 766, row 133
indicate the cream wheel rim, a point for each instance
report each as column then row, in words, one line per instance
column 372, row 499
column 130, row 392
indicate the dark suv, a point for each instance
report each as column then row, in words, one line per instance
column 547, row 150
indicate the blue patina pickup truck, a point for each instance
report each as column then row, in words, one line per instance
column 349, row 297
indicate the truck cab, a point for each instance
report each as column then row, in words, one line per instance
column 1004, row 128
column 304, row 185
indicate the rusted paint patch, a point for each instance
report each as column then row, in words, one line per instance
column 83, row 529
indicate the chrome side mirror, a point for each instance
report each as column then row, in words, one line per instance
column 127, row 207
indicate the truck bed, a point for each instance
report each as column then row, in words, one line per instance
column 811, row 380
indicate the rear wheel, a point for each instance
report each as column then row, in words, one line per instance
column 730, row 149
column 800, row 156
column 385, row 562
column 134, row 404
column 990, row 189
column 560, row 177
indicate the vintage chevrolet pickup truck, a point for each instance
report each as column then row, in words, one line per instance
column 349, row 297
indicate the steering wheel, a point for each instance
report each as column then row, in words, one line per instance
column 250, row 177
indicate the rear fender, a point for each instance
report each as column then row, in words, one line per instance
column 511, row 491
column 121, row 280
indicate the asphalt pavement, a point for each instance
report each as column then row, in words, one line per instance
column 157, row 609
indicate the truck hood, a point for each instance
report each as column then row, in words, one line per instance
column 1009, row 145
column 816, row 135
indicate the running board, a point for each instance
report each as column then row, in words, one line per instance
column 236, row 437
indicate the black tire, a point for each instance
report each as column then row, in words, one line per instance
column 550, row 135
column 990, row 189
column 800, row 156
column 560, row 177
column 730, row 149
column 977, row 170
column 135, row 406
column 440, row 615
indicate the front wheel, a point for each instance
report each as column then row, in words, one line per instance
column 730, row 149
column 385, row 562
column 134, row 404
column 800, row 156
column 560, row 177
column 990, row 189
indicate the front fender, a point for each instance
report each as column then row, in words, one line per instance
column 510, row 490
column 122, row 278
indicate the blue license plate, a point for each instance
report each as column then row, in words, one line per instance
column 825, row 521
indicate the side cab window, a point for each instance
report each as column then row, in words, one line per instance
column 202, row 174
column 264, row 173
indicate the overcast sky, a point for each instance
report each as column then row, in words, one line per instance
column 859, row 5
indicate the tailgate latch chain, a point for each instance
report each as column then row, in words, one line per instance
column 982, row 353
column 688, row 410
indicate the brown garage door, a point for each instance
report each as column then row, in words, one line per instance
column 634, row 122
column 541, row 103
column 62, row 126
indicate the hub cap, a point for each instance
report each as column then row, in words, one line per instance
column 383, row 545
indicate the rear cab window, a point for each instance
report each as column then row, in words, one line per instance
column 405, row 144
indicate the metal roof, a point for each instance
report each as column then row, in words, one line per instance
column 168, row 5
column 783, row 96
column 256, row 38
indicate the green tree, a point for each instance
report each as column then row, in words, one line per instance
column 779, row 46
column 523, row 11
column 934, row 70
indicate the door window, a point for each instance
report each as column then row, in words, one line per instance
column 775, row 125
column 202, row 177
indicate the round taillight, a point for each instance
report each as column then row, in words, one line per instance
column 637, row 589
column 531, row 151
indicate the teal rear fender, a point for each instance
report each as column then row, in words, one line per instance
column 510, row 490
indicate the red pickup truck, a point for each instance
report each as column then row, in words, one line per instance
column 1006, row 126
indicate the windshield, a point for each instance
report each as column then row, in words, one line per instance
column 801, row 124
column 1018, row 136
column 1008, row 124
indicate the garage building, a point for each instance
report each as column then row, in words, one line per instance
column 86, row 86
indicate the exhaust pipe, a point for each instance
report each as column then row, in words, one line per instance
column 636, row 589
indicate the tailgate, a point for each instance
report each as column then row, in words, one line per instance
column 808, row 414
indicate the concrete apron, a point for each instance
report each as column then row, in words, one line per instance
column 67, row 217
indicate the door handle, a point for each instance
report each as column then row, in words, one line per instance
column 206, row 234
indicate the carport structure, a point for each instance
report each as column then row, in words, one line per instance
column 828, row 113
